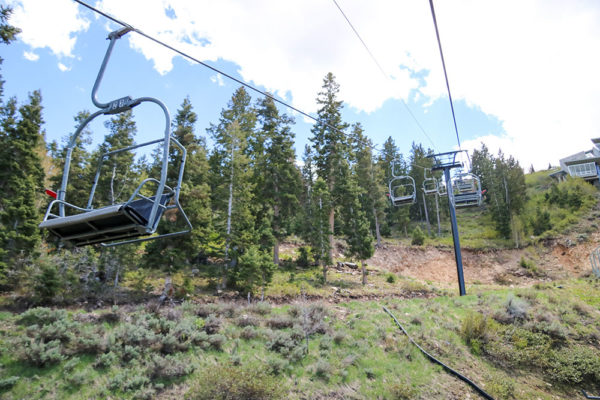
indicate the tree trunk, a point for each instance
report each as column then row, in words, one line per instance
column 276, row 252
column 377, row 233
column 364, row 272
column 426, row 214
column 331, row 230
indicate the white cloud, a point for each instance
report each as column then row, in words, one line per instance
column 63, row 67
column 31, row 56
column 532, row 64
column 49, row 24
column 218, row 79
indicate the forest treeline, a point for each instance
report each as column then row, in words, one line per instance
column 244, row 194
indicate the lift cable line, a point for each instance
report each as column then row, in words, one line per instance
column 192, row 58
column 381, row 70
column 437, row 34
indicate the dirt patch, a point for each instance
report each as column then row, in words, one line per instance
column 556, row 260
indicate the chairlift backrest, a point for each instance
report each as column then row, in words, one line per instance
column 139, row 216
column 402, row 190
column 430, row 184
column 467, row 190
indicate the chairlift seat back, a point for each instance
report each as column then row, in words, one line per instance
column 120, row 221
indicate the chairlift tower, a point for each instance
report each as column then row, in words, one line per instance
column 445, row 162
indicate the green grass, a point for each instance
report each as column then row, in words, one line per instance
column 354, row 348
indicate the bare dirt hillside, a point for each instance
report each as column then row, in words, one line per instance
column 554, row 260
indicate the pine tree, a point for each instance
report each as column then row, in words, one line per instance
column 278, row 179
column 368, row 177
column 118, row 177
column 78, row 188
column 318, row 234
column 393, row 215
column 8, row 34
column 330, row 146
column 232, row 189
column 183, row 251
column 21, row 182
column 356, row 227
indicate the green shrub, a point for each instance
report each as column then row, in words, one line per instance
column 212, row 325
column 502, row 388
column 390, row 278
column 280, row 322
column 402, row 391
column 574, row 365
column 9, row 382
column 40, row 354
column 42, row 316
column 47, row 283
column 217, row 341
column 541, row 222
column 246, row 320
column 105, row 360
column 77, row 379
column 305, row 256
column 322, row 369
column 418, row 237
column 227, row 382
column 474, row 328
column 277, row 365
column 260, row 308
column 168, row 367
column 248, row 333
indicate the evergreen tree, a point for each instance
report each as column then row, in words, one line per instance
column 317, row 233
column 356, row 227
column 78, row 188
column 368, row 177
column 21, row 182
column 232, row 189
column 278, row 179
column 119, row 176
column 418, row 163
column 183, row 251
column 8, row 33
column 394, row 215
column 330, row 146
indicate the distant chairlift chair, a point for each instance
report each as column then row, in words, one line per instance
column 467, row 190
column 402, row 188
column 139, row 215
column 430, row 185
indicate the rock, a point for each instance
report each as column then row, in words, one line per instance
column 351, row 265
column 195, row 271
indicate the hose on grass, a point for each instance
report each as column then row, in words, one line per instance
column 436, row 361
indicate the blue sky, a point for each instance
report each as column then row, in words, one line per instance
column 523, row 73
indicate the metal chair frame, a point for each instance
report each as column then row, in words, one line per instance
column 160, row 201
column 401, row 183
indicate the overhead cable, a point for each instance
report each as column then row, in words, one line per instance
column 381, row 69
column 437, row 34
column 185, row 55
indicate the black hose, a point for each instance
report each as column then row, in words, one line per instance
column 435, row 360
column 587, row 396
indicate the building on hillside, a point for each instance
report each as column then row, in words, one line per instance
column 585, row 164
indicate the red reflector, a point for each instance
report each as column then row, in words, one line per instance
column 51, row 193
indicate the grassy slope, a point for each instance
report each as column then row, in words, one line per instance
column 357, row 351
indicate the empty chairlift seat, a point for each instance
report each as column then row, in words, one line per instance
column 116, row 222
column 467, row 190
column 140, row 215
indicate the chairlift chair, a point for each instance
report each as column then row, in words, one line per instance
column 467, row 190
column 430, row 185
column 402, row 188
column 123, row 223
column 442, row 190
